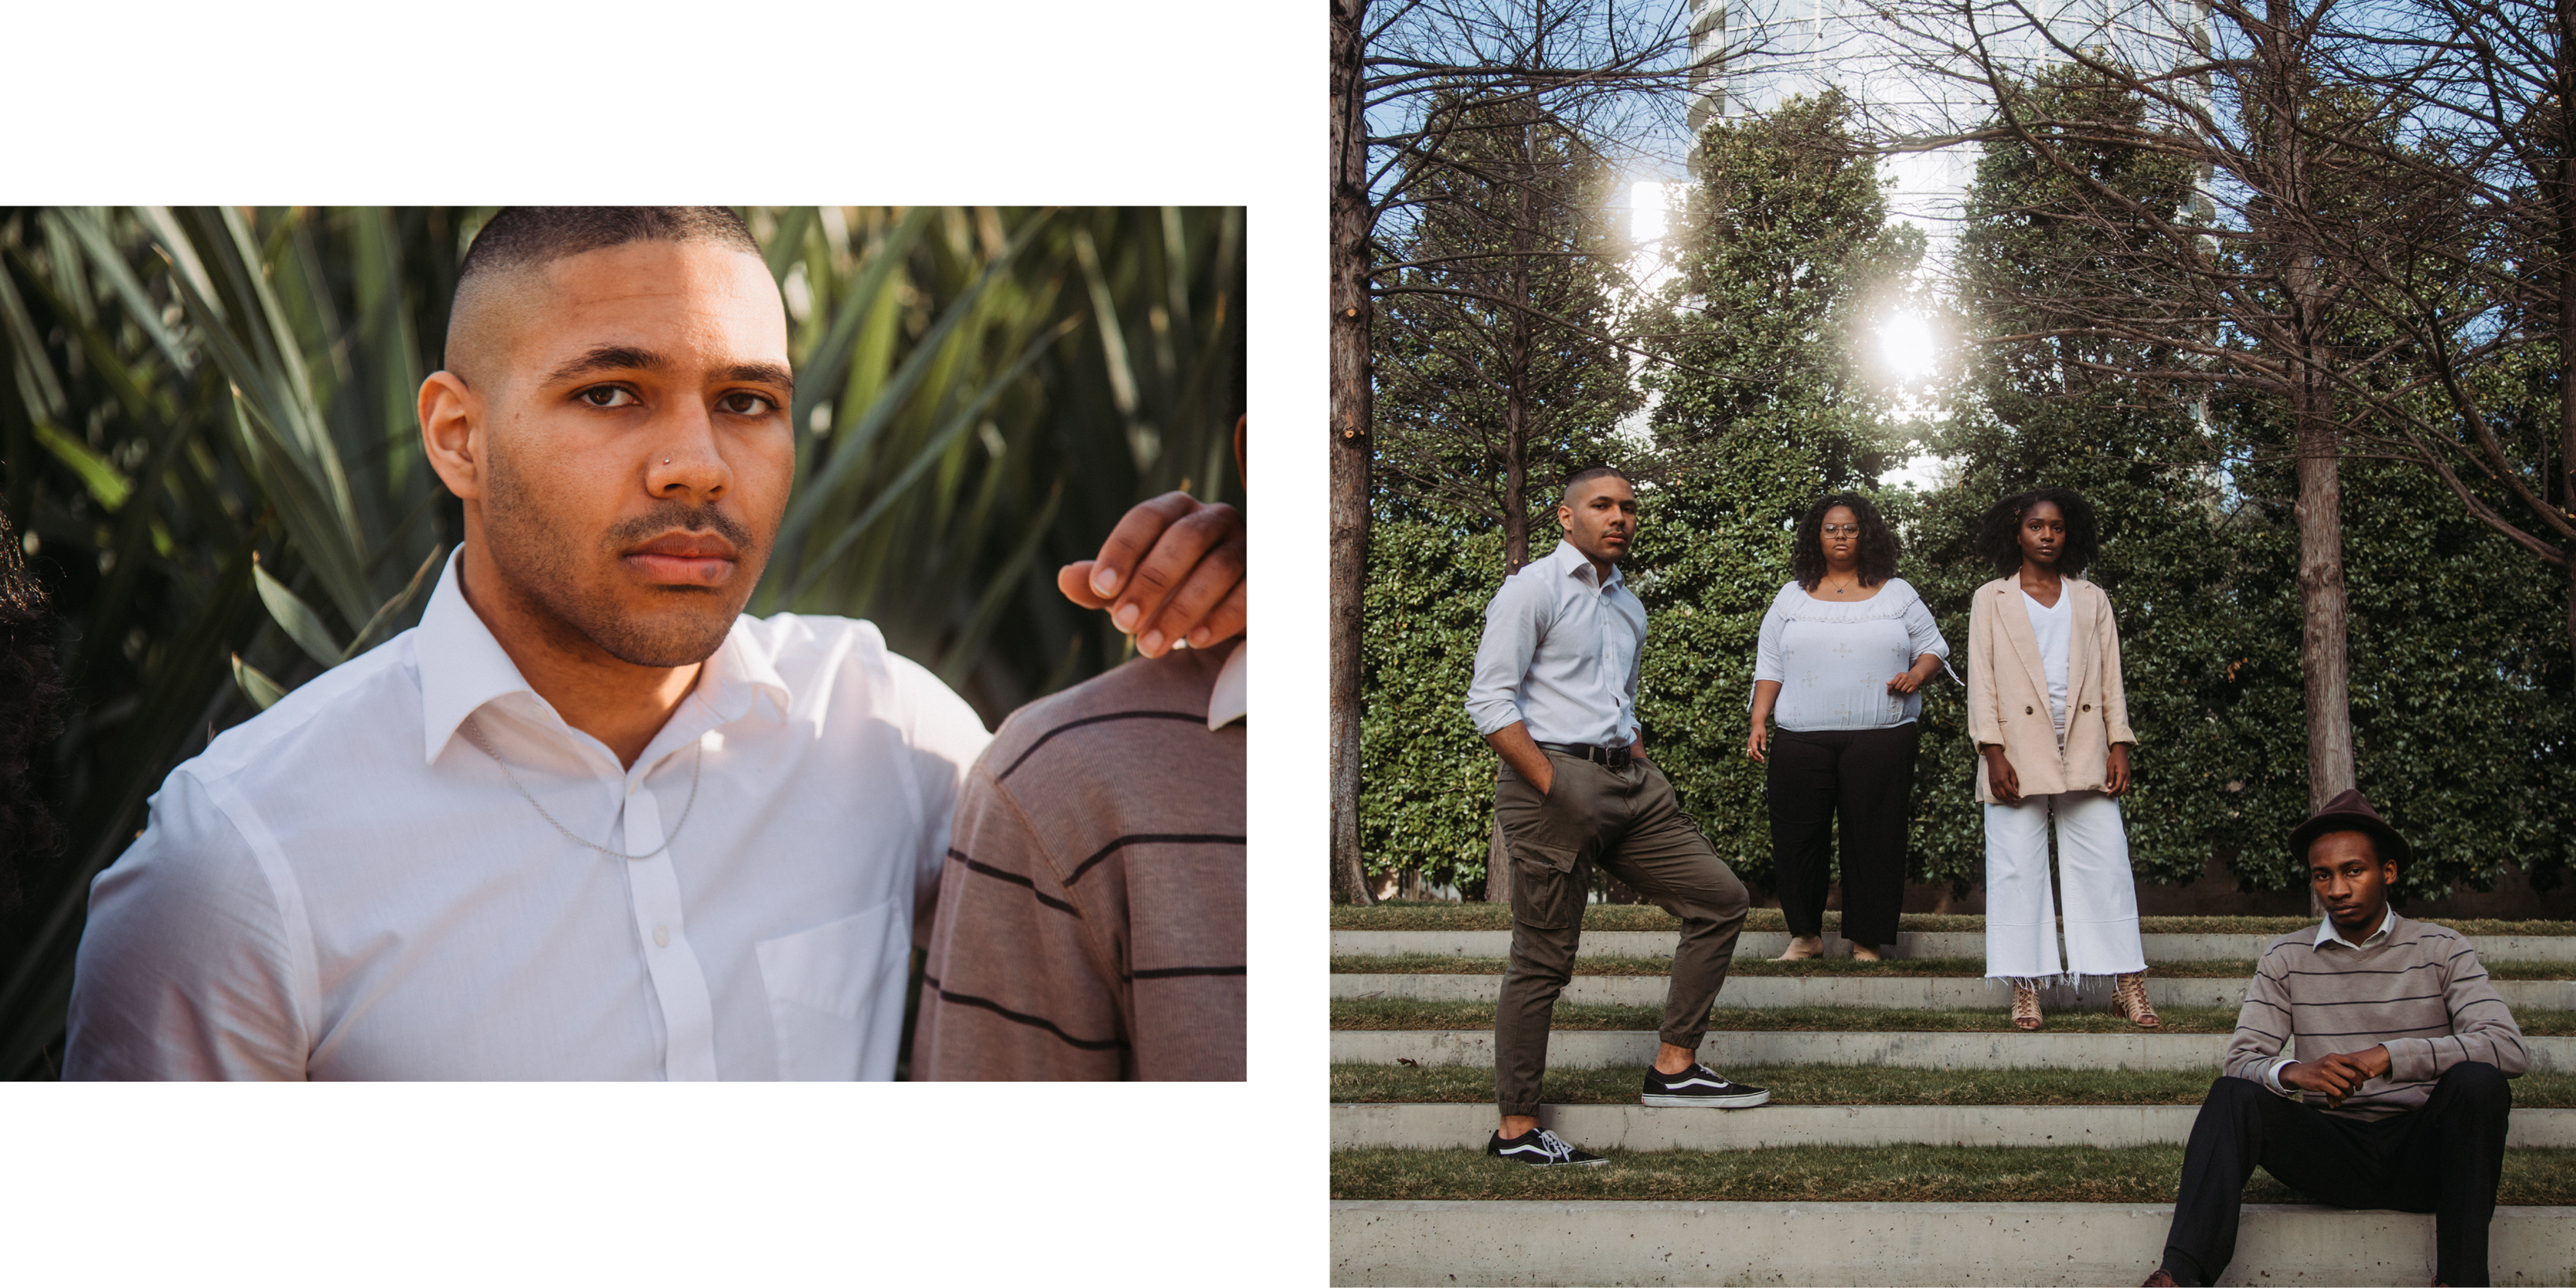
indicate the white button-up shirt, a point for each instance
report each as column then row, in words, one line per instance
column 347, row 887
column 1560, row 654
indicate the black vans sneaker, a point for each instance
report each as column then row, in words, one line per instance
column 1699, row 1087
column 1540, row 1148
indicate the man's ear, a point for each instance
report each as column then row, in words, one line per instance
column 451, row 421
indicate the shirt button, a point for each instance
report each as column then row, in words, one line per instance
column 2026, row 711
column 661, row 936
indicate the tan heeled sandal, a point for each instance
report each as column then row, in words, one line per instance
column 2129, row 997
column 2025, row 1008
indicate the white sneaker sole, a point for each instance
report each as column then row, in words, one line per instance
column 1707, row 1102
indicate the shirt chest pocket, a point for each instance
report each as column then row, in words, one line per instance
column 836, row 994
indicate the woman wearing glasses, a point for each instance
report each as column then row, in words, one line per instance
column 2041, row 640
column 1844, row 649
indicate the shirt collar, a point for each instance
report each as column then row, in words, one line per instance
column 1231, row 696
column 2326, row 930
column 1572, row 563
column 463, row 668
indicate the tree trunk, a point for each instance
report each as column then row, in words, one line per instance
column 1347, row 565
column 2563, row 75
column 2324, row 654
column 1516, row 365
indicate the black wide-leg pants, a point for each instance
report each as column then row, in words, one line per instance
column 1867, row 777
column 2444, row 1158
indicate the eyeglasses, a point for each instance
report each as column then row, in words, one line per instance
column 1842, row 529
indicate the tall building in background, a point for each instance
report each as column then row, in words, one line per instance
column 1887, row 56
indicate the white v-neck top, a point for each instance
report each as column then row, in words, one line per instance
column 346, row 887
column 2055, row 628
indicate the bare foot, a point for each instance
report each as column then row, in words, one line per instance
column 1865, row 953
column 1802, row 947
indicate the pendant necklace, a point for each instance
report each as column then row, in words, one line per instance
column 475, row 736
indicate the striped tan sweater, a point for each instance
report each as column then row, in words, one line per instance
column 1091, row 918
column 2420, row 991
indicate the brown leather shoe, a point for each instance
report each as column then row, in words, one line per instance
column 2159, row 1279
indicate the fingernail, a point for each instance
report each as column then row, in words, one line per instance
column 1151, row 644
column 1199, row 638
column 1125, row 615
column 1104, row 579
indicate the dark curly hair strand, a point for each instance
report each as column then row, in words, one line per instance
column 31, row 703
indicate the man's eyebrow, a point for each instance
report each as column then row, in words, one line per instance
column 619, row 357
column 766, row 373
column 607, row 357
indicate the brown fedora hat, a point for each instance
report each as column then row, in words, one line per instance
column 2348, row 812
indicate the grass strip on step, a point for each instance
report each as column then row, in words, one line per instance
column 1639, row 916
column 1849, row 1085
column 1408, row 1013
column 1847, row 1174
column 1839, row 967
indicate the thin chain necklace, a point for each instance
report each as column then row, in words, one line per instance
column 474, row 736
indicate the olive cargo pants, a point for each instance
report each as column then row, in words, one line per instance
column 1630, row 823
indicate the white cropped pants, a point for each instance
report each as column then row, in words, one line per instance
column 2101, row 896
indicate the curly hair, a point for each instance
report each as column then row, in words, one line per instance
column 1877, row 544
column 1999, row 539
column 31, row 703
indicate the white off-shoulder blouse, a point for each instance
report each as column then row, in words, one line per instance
column 1833, row 660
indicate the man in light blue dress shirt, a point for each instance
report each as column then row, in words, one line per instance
column 1555, row 692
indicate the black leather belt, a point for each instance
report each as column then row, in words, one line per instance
column 1613, row 757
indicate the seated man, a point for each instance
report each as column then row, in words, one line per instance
column 2393, row 1025
column 1091, row 917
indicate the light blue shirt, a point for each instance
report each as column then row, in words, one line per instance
column 1560, row 654
column 1833, row 660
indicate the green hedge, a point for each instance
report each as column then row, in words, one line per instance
column 2461, row 708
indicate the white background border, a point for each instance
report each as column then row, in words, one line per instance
column 1192, row 103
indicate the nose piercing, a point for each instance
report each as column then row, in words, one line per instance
column 666, row 460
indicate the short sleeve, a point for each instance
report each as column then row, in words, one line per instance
column 1923, row 635
column 185, row 970
column 1766, row 651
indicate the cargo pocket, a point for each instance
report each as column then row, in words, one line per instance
column 1547, row 892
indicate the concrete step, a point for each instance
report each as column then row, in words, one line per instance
column 1606, row 1049
column 1424, row 1242
column 1636, row 1127
column 1910, row 944
column 1916, row 992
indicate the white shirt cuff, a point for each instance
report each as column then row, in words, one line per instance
column 2272, row 1074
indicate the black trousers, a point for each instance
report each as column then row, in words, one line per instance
column 1867, row 777
column 2444, row 1158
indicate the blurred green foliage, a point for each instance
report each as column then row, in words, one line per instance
column 207, row 427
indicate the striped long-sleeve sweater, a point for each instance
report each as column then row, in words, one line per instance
column 2420, row 992
column 1091, row 917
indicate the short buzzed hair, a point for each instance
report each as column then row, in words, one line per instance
column 1586, row 475
column 519, row 237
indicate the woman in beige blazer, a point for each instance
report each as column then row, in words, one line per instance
column 2052, row 731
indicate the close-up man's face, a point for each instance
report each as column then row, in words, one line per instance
column 1600, row 516
column 2350, row 879
column 636, row 450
